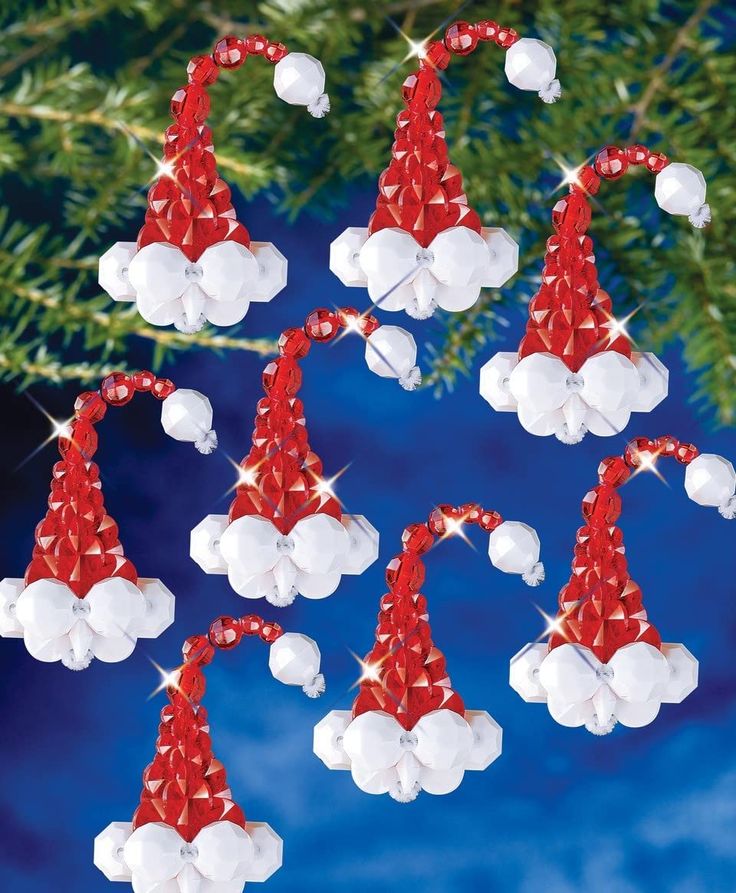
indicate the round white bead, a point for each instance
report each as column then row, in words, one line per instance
column 640, row 671
column 158, row 271
column 228, row 269
column 710, row 480
column 680, row 189
column 635, row 715
column 610, row 381
column 389, row 259
column 186, row 415
column 223, row 848
column 153, row 852
column 115, row 607
column 653, row 382
column 45, row 608
column 444, row 740
column 294, row 659
column 459, row 256
column 513, row 547
column 390, row 352
column 539, row 382
column 299, row 79
column 249, row 545
column 319, row 543
column 373, row 741
column 530, row 64
column 569, row 674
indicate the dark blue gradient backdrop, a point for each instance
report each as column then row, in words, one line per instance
column 646, row 810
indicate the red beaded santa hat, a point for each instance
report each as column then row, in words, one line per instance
column 188, row 834
column 81, row 597
column 409, row 730
column 194, row 262
column 424, row 246
column 604, row 661
column 285, row 533
column 575, row 371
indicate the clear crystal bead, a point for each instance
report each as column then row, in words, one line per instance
column 575, row 382
column 408, row 740
column 193, row 272
column 285, row 545
column 189, row 852
column 425, row 257
column 604, row 673
column 81, row 608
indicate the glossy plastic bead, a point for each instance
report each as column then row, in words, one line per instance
column 656, row 162
column 275, row 52
column 506, row 37
column 294, row 343
column 322, row 325
column 601, row 506
column 202, row 70
column 489, row 521
column 90, row 405
column 270, row 632
column 614, row 471
column 198, row 649
column 437, row 55
column 117, row 389
column 667, row 445
column 190, row 105
column 225, row 632
column 282, row 377
column 417, row 538
column 587, row 180
column 162, row 388
column 405, row 573
column 637, row 447
column 230, row 52
column 487, row 30
column 637, row 154
column 143, row 380
column 461, row 38
column 611, row 162
column 251, row 624
column 256, row 44
column 686, row 452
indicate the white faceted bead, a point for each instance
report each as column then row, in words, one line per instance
column 115, row 606
column 82, row 640
column 570, row 714
column 389, row 259
column 444, row 740
column 220, row 313
column 251, row 585
column 441, row 781
column 327, row 740
column 158, row 272
column 268, row 850
column 604, row 706
column 108, row 855
column 539, row 382
column 299, row 79
column 610, row 381
column 345, row 256
column 640, row 672
column 373, row 741
column 487, row 739
column 683, row 673
column 272, row 272
column 634, row 716
column 204, row 544
column 46, row 608
column 513, row 547
column 455, row 300
column 317, row 586
column 503, row 257
column 530, row 64
column 425, row 288
column 249, row 544
column 363, row 550
column 294, row 659
column 191, row 306
column 540, row 423
column 710, row 480
column 374, row 781
column 608, row 423
column 569, row 674
column 494, row 381
column 319, row 544
column 10, row 626
column 390, row 352
column 459, row 256
column 653, row 382
column 223, row 847
column 159, row 609
column 524, row 672
column 113, row 649
column 113, row 271
column 680, row 188
column 225, row 271
column 46, row 650
column 154, row 852
column 186, row 415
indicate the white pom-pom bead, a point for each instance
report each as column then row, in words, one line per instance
column 299, row 79
column 531, row 64
column 551, row 93
column 320, row 107
column 294, row 660
column 680, row 189
column 391, row 352
column 701, row 217
column 187, row 415
column 514, row 547
column 710, row 480
column 412, row 379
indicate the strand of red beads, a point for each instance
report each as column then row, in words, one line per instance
column 601, row 607
column 411, row 675
column 570, row 316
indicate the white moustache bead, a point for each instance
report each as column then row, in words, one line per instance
column 680, row 189
column 459, row 255
column 227, row 269
column 186, row 415
column 294, row 659
column 159, row 269
column 539, row 382
column 249, row 545
column 10, row 626
column 268, row 852
column 683, row 673
column 299, row 79
column 153, row 852
column 494, row 381
column 441, row 781
column 113, row 271
column 46, row 608
column 328, row 739
column 569, row 674
column 635, row 715
column 503, row 257
column 389, row 260
column 273, row 270
column 610, row 381
column 390, row 352
column 710, row 480
column 320, row 541
column 44, row 649
column 373, row 740
column 569, row 713
column 345, row 256
column 115, row 607
column 514, row 547
column 487, row 739
column 204, row 544
column 223, row 848
column 640, row 671
column 524, row 672
column 444, row 740
column 530, row 64
column 108, row 851
column 159, row 609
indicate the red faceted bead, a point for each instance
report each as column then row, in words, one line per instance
column 587, row 180
column 294, row 343
column 601, row 506
column 637, row 448
column 436, row 55
column 571, row 214
column 225, row 632
column 251, row 625
column 417, row 538
column 656, row 162
column 163, row 388
column 202, row 70
column 489, row 521
column 230, row 52
column 613, row 471
column 686, row 452
column 256, row 44
column 117, row 389
column 190, row 105
column 637, row 154
column 506, row 37
column 368, row 325
column 437, row 522
column 82, row 442
column 667, row 445
column 611, row 162
column 191, row 683
column 282, row 377
column 322, row 324
column 461, row 38
column 198, row 649
column 143, row 380
column 90, row 405
column 275, row 52
column 270, row 632
column 487, row 29
column 405, row 573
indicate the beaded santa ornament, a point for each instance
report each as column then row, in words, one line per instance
column 424, row 246
column 194, row 262
column 604, row 661
column 575, row 371
column 188, row 835
column 81, row 597
column 409, row 730
column 285, row 533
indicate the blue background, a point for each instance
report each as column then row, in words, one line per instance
column 648, row 809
